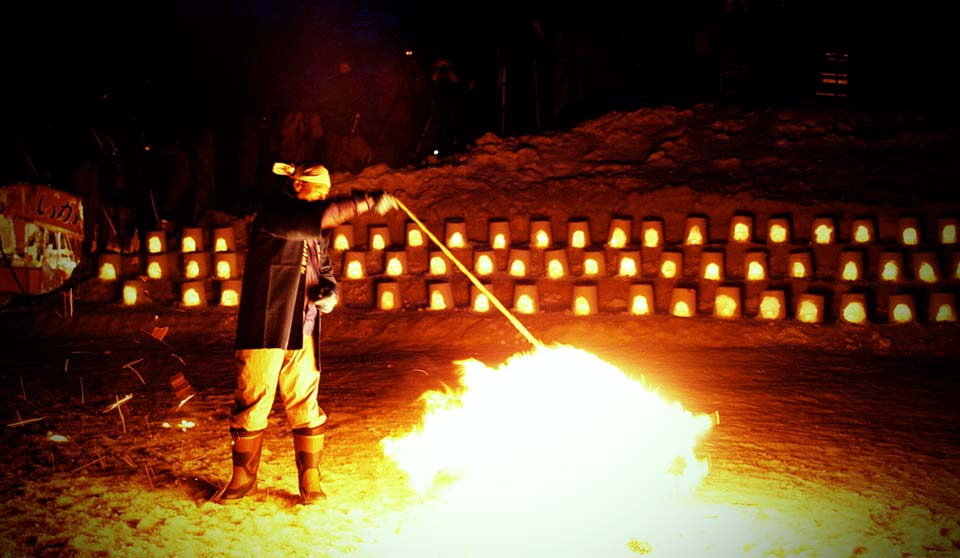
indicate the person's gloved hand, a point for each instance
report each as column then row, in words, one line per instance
column 327, row 300
column 383, row 202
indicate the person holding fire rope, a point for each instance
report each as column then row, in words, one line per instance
column 288, row 283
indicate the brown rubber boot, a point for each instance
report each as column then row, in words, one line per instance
column 247, row 448
column 309, row 450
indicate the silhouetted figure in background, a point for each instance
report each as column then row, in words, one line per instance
column 348, row 118
column 442, row 136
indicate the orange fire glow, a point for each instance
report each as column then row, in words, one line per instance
column 552, row 445
column 618, row 238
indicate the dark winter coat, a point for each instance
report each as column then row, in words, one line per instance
column 272, row 299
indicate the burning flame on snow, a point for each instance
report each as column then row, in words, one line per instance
column 554, row 450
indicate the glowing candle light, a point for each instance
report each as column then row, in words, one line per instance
column 518, row 268
column 694, row 236
column 854, row 312
column 378, row 242
column 191, row 297
column 355, row 269
column 130, row 293
column 651, row 237
column 578, row 239
column 456, row 240
column 823, row 234
column 414, row 238
column 902, row 313
column 525, row 304
column 193, row 269
column 581, row 306
column 639, row 305
column 189, row 244
column 394, row 266
column 808, row 312
column 108, row 272
column 725, row 306
column 386, row 300
column 542, row 239
column 220, row 245
column 481, row 303
column 555, row 269
column 500, row 241
column 756, row 271
column 946, row 313
column 862, row 233
column 927, row 273
column 943, row 307
column 668, row 269
column 592, row 267
column 438, row 265
column 229, row 297
column 223, row 240
column 771, row 306
column 340, row 242
column 778, row 233
column 154, row 244
column 437, row 300
column 154, row 270
column 851, row 271
column 681, row 309
column 628, row 266
column 618, row 238
column 910, row 237
column 890, row 271
column 948, row 231
column 741, row 232
column 711, row 271
column 484, row 264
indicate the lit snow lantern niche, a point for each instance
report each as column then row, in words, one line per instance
column 156, row 242
column 773, row 305
column 353, row 264
column 343, row 237
column 578, row 233
column 193, row 293
column 109, row 266
column 396, row 263
column 651, row 230
column 195, row 265
column 594, row 263
column 824, row 231
column 947, row 230
column 619, row 235
column 908, row 231
column 388, row 296
column 441, row 296
column 230, row 292
column 810, row 308
column 902, row 309
column 556, row 263
column 955, row 265
column 726, row 303
column 851, row 265
column 641, row 299
column 584, row 300
column 695, row 233
column 192, row 240
column 540, row 233
column 483, row 262
column 629, row 264
column 479, row 301
column 853, row 308
column 671, row 265
column 756, row 265
column 414, row 235
column 943, row 307
column 778, row 230
column 683, row 302
column 891, row 266
column 518, row 262
column 741, row 228
column 499, row 234
column 223, row 240
column 439, row 264
column 711, row 266
column 379, row 237
column 157, row 266
column 862, row 231
column 526, row 300
column 456, row 233
column 925, row 267
column 131, row 292
column 800, row 265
